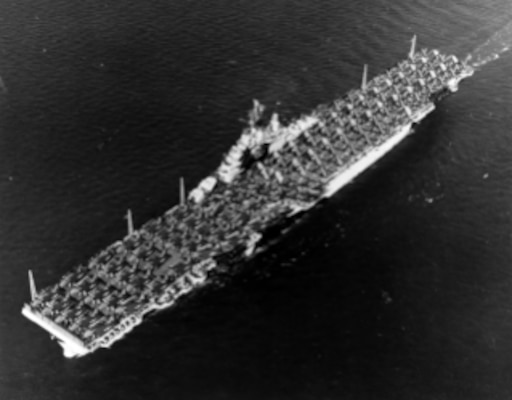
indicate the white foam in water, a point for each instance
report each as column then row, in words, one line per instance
column 492, row 48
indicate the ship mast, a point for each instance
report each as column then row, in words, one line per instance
column 182, row 191
column 413, row 47
column 365, row 77
column 129, row 221
column 33, row 290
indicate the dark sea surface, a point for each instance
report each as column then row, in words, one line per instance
column 399, row 287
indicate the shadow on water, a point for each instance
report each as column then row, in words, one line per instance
column 322, row 281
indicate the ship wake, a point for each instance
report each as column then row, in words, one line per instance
column 493, row 48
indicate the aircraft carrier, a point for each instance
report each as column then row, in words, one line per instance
column 272, row 173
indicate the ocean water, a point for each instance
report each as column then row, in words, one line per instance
column 399, row 287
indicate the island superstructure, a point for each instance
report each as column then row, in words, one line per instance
column 271, row 174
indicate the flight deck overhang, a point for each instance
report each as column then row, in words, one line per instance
column 73, row 346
